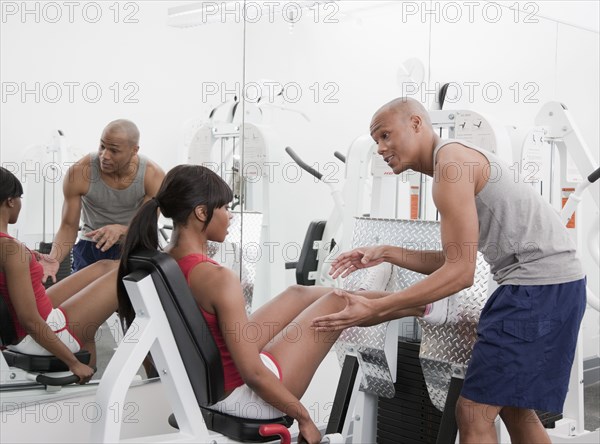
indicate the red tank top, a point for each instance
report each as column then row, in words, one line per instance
column 231, row 376
column 43, row 302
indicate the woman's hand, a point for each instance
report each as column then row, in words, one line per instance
column 83, row 371
column 308, row 432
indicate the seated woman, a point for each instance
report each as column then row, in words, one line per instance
column 63, row 319
column 268, row 366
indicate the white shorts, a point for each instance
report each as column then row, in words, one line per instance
column 244, row 403
column 57, row 321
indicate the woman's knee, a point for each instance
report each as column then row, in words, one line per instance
column 334, row 301
column 107, row 264
column 309, row 294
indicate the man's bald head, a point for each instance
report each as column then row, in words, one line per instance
column 128, row 128
column 406, row 107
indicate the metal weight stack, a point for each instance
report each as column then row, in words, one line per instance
column 409, row 417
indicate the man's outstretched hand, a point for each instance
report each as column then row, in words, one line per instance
column 358, row 311
column 350, row 261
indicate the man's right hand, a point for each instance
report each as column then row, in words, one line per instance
column 363, row 257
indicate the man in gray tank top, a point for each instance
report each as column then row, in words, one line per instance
column 103, row 190
column 528, row 329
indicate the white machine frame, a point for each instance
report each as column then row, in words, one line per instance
column 151, row 333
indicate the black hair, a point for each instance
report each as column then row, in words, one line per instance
column 182, row 190
column 10, row 186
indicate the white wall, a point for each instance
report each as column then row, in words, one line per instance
column 352, row 50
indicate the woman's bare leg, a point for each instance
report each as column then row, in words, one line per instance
column 270, row 319
column 266, row 322
column 87, row 309
column 299, row 349
column 67, row 287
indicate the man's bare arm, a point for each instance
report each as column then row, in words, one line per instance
column 152, row 180
column 455, row 200
column 75, row 185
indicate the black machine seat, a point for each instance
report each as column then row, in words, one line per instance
column 41, row 364
column 31, row 363
column 195, row 343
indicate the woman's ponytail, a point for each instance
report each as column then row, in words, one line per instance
column 141, row 235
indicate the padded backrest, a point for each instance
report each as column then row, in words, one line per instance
column 7, row 328
column 309, row 261
column 195, row 343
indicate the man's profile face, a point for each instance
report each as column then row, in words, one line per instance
column 395, row 139
column 115, row 152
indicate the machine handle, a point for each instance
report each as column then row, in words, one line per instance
column 340, row 156
column 306, row 167
column 276, row 429
column 64, row 380
column 594, row 176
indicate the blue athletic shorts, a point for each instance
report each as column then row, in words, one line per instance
column 525, row 347
column 85, row 253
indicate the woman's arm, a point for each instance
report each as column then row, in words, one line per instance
column 222, row 294
column 18, row 280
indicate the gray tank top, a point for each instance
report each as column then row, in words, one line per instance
column 103, row 205
column 521, row 235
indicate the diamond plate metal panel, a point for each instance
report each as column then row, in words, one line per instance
column 241, row 250
column 446, row 346
column 441, row 346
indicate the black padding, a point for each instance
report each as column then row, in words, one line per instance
column 308, row 261
column 195, row 343
column 8, row 333
column 448, row 427
column 54, row 381
column 594, row 176
column 442, row 94
column 34, row 363
column 343, row 394
column 241, row 429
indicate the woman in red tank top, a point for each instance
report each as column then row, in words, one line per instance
column 197, row 199
column 85, row 299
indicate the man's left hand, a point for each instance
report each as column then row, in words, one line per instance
column 358, row 311
column 107, row 236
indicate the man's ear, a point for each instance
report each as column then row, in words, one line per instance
column 416, row 122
